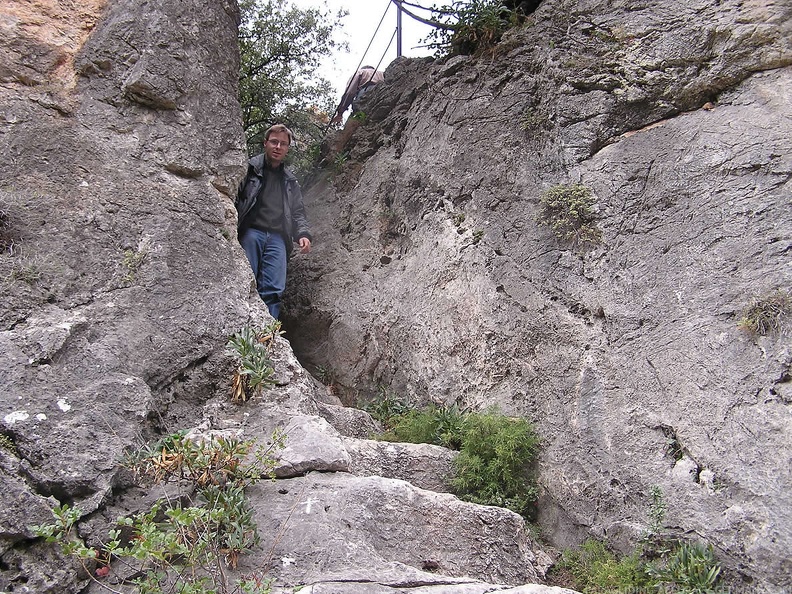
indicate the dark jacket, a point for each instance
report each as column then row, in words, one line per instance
column 295, row 224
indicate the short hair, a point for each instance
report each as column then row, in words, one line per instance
column 278, row 128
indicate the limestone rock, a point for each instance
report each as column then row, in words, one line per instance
column 435, row 279
column 423, row 465
column 121, row 281
column 336, row 527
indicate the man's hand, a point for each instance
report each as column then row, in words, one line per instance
column 305, row 245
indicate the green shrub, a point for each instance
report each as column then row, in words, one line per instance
column 596, row 570
column 386, row 407
column 683, row 568
column 680, row 567
column 765, row 315
column 438, row 425
column 496, row 452
column 690, row 569
column 493, row 464
column 569, row 211
column 469, row 26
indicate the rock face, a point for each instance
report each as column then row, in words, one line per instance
column 121, row 283
column 432, row 276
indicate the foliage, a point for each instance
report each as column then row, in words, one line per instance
column 6, row 240
column 533, row 119
column 386, row 407
column 439, row 425
column 569, row 211
column 469, row 26
column 339, row 161
column 766, row 315
column 597, row 570
column 251, row 348
column 181, row 544
column 8, row 444
column 681, row 567
column 281, row 50
column 495, row 452
column 133, row 260
column 492, row 466
column 657, row 513
column 325, row 374
column 690, row 569
column 28, row 270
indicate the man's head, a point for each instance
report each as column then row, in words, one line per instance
column 277, row 141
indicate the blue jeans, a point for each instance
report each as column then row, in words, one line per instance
column 266, row 252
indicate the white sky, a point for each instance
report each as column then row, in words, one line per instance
column 357, row 30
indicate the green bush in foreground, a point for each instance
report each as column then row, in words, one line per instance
column 493, row 464
column 184, row 542
column 495, row 452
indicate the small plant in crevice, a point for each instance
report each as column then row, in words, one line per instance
column 133, row 260
column 186, row 539
column 570, row 213
column 674, row 447
column 532, row 120
column 595, row 569
column 657, row 513
column 7, row 242
column 386, row 407
column 339, row 161
column 683, row 568
column 438, row 425
column 8, row 444
column 251, row 349
column 325, row 374
column 766, row 315
column 28, row 270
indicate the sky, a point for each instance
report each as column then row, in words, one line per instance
column 358, row 28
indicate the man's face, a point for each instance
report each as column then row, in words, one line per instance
column 276, row 147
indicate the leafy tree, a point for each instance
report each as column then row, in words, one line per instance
column 468, row 26
column 281, row 48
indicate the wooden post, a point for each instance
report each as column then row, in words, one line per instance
column 398, row 28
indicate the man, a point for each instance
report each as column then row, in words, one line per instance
column 271, row 215
column 361, row 81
